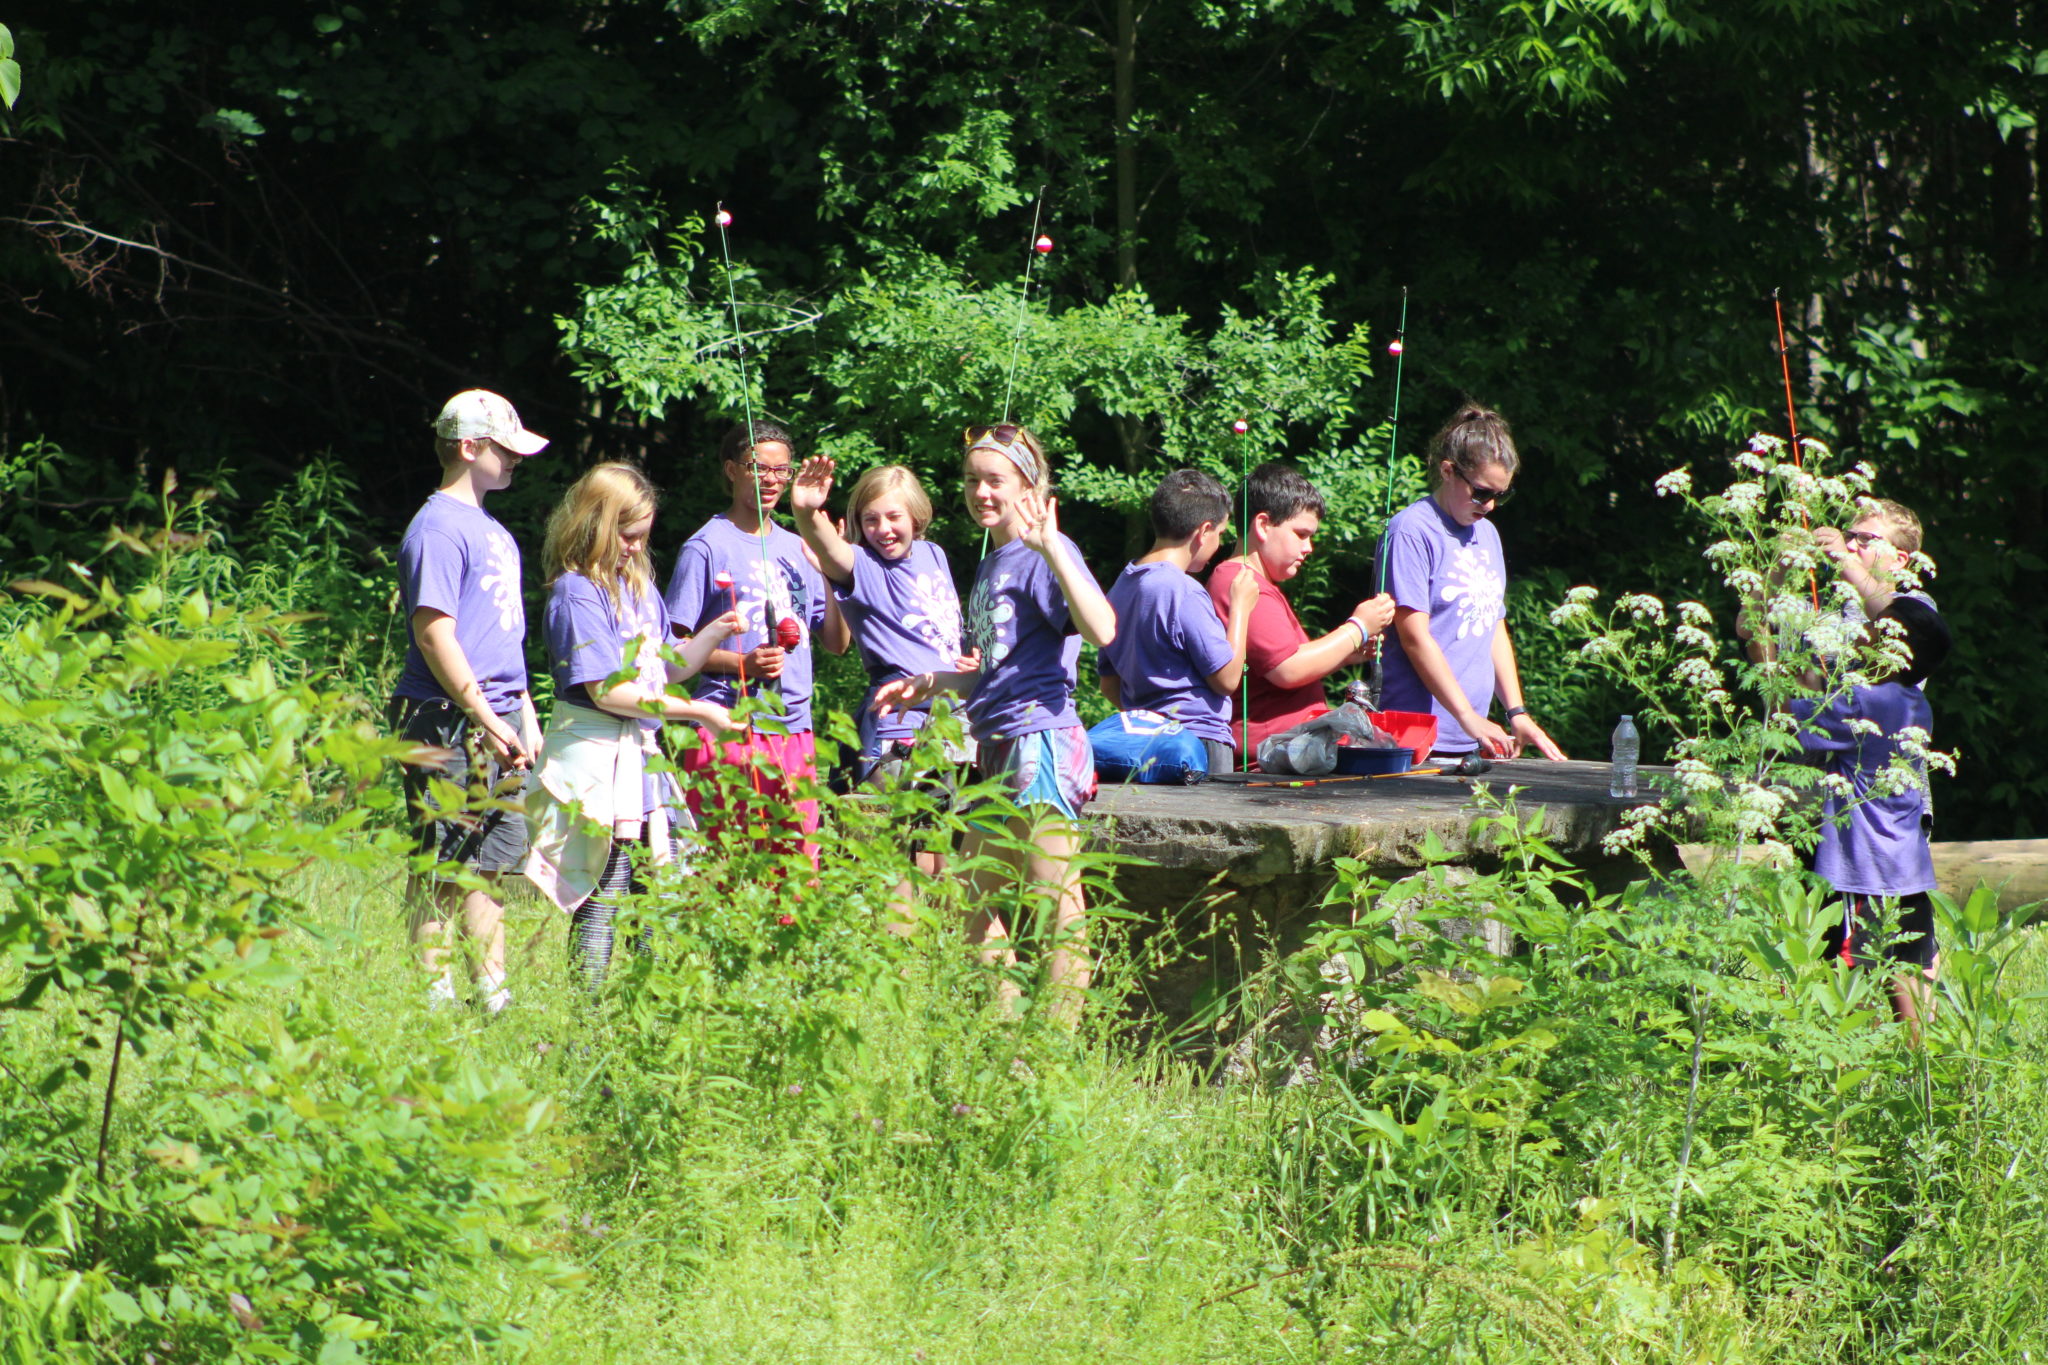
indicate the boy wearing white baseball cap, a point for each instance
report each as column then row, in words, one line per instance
column 463, row 687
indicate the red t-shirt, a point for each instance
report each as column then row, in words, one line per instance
column 1274, row 636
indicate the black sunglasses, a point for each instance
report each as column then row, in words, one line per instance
column 1497, row 496
column 1005, row 432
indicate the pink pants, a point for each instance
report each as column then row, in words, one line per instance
column 783, row 762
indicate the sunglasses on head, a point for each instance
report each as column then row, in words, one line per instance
column 1005, row 432
column 1496, row 496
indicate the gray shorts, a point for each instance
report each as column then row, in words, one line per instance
column 490, row 841
column 1222, row 758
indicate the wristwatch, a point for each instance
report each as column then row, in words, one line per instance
column 1514, row 711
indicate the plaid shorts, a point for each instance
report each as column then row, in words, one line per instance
column 492, row 841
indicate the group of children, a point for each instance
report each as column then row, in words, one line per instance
column 747, row 600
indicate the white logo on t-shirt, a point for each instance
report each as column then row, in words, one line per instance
column 1477, row 588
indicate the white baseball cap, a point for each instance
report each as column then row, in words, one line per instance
column 479, row 414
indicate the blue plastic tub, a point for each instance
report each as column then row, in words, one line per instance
column 1359, row 762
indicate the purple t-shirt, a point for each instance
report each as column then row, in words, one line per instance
column 587, row 639
column 1018, row 618
column 905, row 619
column 790, row 588
column 1457, row 575
column 1168, row 641
column 1869, row 845
column 457, row 559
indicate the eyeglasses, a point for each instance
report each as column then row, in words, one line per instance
column 772, row 473
column 1005, row 432
column 1862, row 540
column 1497, row 496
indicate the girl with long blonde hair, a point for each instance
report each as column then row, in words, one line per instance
column 595, row 798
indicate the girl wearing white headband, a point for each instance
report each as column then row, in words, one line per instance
column 1033, row 603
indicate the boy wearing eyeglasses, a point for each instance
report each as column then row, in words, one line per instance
column 741, row 561
column 1873, row 847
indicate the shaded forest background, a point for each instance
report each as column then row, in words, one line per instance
column 252, row 239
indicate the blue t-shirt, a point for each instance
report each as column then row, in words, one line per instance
column 1168, row 641
column 588, row 638
column 456, row 559
column 1458, row 577
column 905, row 618
column 1870, row 845
column 1018, row 618
column 784, row 587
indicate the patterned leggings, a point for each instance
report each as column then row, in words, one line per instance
column 590, row 928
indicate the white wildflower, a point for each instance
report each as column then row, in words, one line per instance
column 1695, row 672
column 1740, row 499
column 1834, row 490
column 1814, row 448
column 1695, row 613
column 1860, row 476
column 1695, row 776
column 1678, row 481
column 1863, row 725
column 1571, row 613
column 1722, row 549
column 1716, row 696
column 1582, row 593
column 1600, row 646
column 1748, row 582
column 1690, row 636
column 1642, row 606
column 1834, row 784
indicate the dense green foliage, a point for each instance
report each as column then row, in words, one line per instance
column 1666, row 1128
column 248, row 233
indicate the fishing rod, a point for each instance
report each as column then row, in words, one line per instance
column 780, row 631
column 1375, row 677
column 1792, row 424
column 1041, row 245
column 739, row 341
column 1244, row 545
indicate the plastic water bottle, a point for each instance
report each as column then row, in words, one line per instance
column 1621, row 770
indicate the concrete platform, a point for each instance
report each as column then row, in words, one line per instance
column 1255, row 829
column 1239, row 867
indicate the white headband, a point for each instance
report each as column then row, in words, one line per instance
column 1016, row 452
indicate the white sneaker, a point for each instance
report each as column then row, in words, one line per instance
column 441, row 994
column 496, row 995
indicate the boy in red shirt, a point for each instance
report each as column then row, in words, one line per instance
column 1285, row 667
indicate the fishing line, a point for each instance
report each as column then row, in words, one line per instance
column 1040, row 245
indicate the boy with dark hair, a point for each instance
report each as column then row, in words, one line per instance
column 1873, row 837
column 462, row 689
column 1172, row 654
column 1286, row 667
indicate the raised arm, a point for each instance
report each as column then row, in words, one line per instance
column 1318, row 659
column 1039, row 528
column 1244, row 594
column 807, row 499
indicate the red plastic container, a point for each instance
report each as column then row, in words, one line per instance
column 1411, row 730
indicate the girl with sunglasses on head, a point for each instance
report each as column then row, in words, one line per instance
column 1450, row 653
column 1033, row 603
column 595, row 798
column 741, row 561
